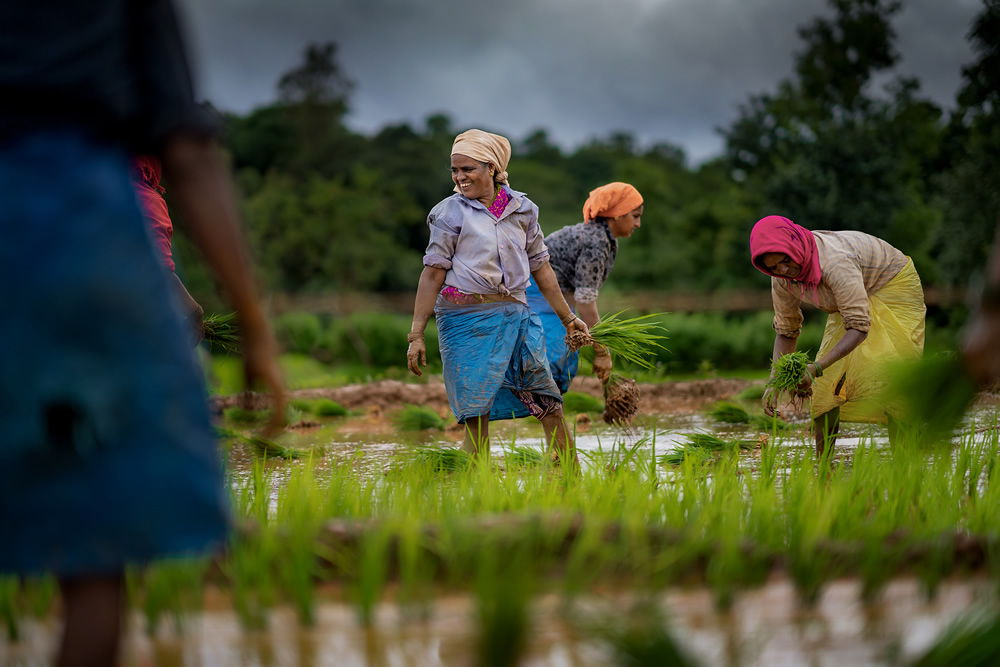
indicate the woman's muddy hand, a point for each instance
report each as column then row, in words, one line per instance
column 602, row 363
column 576, row 324
column 769, row 402
column 416, row 353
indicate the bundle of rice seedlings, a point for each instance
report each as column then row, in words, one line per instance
column 631, row 339
column 417, row 418
column 575, row 401
column 443, row 460
column 524, row 456
column 936, row 391
column 324, row 407
column 676, row 457
column 222, row 333
column 621, row 400
column 265, row 448
column 787, row 372
column 705, row 441
column 243, row 416
column 725, row 411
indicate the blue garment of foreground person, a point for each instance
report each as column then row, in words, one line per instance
column 107, row 456
column 563, row 364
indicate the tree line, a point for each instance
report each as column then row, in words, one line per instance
column 330, row 209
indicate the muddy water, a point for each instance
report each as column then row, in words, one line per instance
column 766, row 626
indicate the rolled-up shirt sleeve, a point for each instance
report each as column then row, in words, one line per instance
column 787, row 308
column 534, row 243
column 444, row 238
column 847, row 284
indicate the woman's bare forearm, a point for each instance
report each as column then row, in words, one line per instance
column 548, row 285
column 428, row 287
column 847, row 344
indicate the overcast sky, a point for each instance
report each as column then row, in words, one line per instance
column 664, row 70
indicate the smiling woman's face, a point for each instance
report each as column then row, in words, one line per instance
column 780, row 264
column 472, row 177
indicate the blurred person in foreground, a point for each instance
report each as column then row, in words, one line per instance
column 582, row 256
column 108, row 456
column 485, row 242
column 875, row 303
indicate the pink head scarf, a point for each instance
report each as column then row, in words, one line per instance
column 777, row 234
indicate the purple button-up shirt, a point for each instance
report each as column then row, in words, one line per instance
column 484, row 254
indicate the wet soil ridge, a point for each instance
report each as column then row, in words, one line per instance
column 552, row 536
column 655, row 398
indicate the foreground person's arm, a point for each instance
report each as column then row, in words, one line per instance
column 203, row 190
column 431, row 281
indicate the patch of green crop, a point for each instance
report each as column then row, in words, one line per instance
column 729, row 412
column 576, row 401
column 418, row 418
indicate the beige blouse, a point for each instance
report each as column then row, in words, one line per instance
column 854, row 265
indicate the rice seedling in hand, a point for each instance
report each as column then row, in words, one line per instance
column 726, row 411
column 631, row 339
column 787, row 373
column 621, row 400
column 575, row 401
column 222, row 333
column 418, row 418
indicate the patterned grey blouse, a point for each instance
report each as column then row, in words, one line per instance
column 582, row 256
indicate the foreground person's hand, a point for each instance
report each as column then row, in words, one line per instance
column 260, row 366
column 416, row 353
column 576, row 324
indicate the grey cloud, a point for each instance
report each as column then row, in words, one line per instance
column 664, row 70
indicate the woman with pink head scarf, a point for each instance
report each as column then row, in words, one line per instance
column 875, row 304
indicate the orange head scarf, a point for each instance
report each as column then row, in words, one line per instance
column 485, row 147
column 610, row 201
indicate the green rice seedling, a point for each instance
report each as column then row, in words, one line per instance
column 706, row 441
column 633, row 339
column 936, row 391
column 754, row 392
column 694, row 455
column 325, row 407
column 523, row 456
column 787, row 372
column 769, row 424
column 642, row 639
column 576, row 401
column 299, row 516
column 373, row 566
column 248, row 567
column 503, row 591
column 243, row 416
column 222, row 332
column 9, row 588
column 726, row 411
column 972, row 640
column 303, row 405
column 265, row 448
column 173, row 587
column 418, row 418
column 443, row 459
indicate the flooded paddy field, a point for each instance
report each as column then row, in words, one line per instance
column 364, row 551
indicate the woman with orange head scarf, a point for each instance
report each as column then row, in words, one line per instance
column 876, row 311
column 582, row 256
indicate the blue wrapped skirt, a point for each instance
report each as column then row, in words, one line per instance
column 107, row 455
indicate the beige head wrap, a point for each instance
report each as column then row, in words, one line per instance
column 485, row 147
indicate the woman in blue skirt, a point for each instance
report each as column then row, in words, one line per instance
column 107, row 456
column 485, row 242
